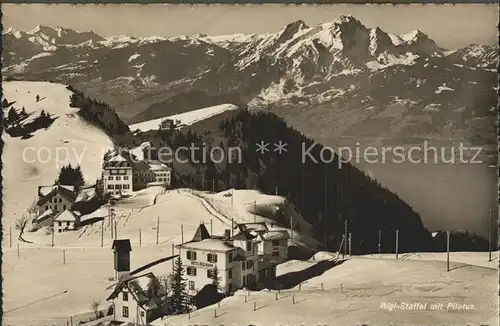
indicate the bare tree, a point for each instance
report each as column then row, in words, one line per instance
column 21, row 223
column 95, row 307
column 32, row 209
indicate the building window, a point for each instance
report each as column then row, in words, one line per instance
column 55, row 207
column 249, row 246
column 212, row 258
column 230, row 287
column 249, row 264
column 276, row 243
column 210, row 273
column 142, row 313
column 46, row 207
column 64, row 207
column 191, row 255
column 110, row 177
column 59, row 223
column 110, row 187
column 191, row 285
column 67, row 223
column 125, row 177
column 243, row 265
column 230, row 274
column 191, row 271
column 230, row 257
column 60, row 200
column 125, row 312
column 125, row 296
column 118, row 177
column 276, row 253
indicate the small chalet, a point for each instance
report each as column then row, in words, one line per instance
column 56, row 198
column 138, row 299
column 66, row 221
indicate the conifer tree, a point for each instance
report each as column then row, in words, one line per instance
column 179, row 295
column 216, row 280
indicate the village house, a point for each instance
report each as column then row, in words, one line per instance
column 117, row 173
column 137, row 300
column 271, row 241
column 51, row 201
column 66, row 221
column 236, row 259
column 56, row 198
column 169, row 124
column 123, row 173
column 163, row 174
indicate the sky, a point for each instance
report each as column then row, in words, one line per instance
column 451, row 26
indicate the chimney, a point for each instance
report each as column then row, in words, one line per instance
column 227, row 234
column 121, row 250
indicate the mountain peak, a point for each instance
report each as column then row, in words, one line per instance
column 348, row 19
column 414, row 36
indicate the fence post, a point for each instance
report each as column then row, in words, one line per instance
column 254, row 306
column 140, row 238
column 215, row 313
column 64, row 256
column 293, row 298
column 276, row 295
column 18, row 250
column 322, row 289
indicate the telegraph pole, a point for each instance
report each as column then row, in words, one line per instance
column 213, row 185
column 397, row 243
column 350, row 244
column 447, row 251
column 102, row 234
column 140, row 238
column 211, row 226
column 325, row 222
column 345, row 237
column 489, row 236
column 157, row 229
column 182, row 233
column 52, row 236
column 254, row 211
column 10, row 236
column 379, row 240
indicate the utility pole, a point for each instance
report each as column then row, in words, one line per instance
column 254, row 211
column 291, row 228
column 397, row 243
column 350, row 244
column 182, row 233
column 211, row 226
column 10, row 236
column 116, row 229
column 157, row 229
column 140, row 238
column 345, row 237
column 232, row 197
column 276, row 191
column 52, row 236
column 213, row 185
column 325, row 222
column 379, row 240
column 490, row 236
column 173, row 248
column 447, row 251
column 232, row 227
column 102, row 233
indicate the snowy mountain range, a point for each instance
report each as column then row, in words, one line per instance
column 340, row 67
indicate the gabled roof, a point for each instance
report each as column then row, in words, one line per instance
column 245, row 235
column 201, row 233
column 65, row 191
column 66, row 216
column 256, row 226
column 145, row 289
column 42, row 217
column 122, row 245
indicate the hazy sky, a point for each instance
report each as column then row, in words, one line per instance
column 450, row 26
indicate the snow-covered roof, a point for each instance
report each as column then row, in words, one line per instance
column 43, row 216
column 258, row 227
column 142, row 290
column 275, row 235
column 208, row 244
column 66, row 216
column 45, row 190
column 158, row 166
column 117, row 158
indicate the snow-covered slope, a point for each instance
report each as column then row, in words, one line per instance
column 187, row 118
column 33, row 162
column 354, row 293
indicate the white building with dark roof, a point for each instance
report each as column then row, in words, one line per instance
column 138, row 299
column 235, row 258
column 66, row 221
column 117, row 174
